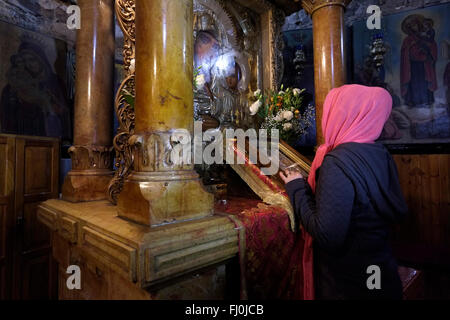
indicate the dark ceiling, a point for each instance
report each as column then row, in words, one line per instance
column 289, row 6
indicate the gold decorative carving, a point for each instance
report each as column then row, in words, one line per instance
column 277, row 46
column 288, row 156
column 126, row 14
column 264, row 192
column 311, row 6
column 286, row 151
column 91, row 157
column 218, row 11
column 272, row 20
column 124, row 151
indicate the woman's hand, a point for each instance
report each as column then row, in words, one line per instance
column 290, row 175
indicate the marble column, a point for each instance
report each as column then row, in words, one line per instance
column 161, row 190
column 92, row 153
column 329, row 50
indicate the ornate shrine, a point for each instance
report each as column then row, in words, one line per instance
column 150, row 229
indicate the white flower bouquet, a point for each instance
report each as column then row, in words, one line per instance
column 284, row 110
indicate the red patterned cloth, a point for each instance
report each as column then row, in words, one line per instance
column 272, row 261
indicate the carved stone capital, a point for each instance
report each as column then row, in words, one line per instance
column 157, row 151
column 163, row 188
column 311, row 6
column 90, row 175
column 91, row 157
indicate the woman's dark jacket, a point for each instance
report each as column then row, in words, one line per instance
column 357, row 199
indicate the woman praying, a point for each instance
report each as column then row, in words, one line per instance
column 351, row 199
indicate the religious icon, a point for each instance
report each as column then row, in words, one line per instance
column 33, row 100
column 413, row 72
column 226, row 76
column 224, row 66
column 418, row 61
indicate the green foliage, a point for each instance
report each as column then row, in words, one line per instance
column 196, row 74
column 129, row 97
column 284, row 110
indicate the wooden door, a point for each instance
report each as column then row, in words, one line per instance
column 36, row 180
column 7, row 163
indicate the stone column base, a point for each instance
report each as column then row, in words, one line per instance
column 123, row 260
column 158, row 198
column 81, row 186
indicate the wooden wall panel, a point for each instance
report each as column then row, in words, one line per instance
column 3, row 157
column 426, row 186
column 36, row 271
column 3, row 257
column 29, row 169
column 3, row 230
column 7, row 163
column 36, row 235
column 36, row 180
column 38, row 170
column 3, row 288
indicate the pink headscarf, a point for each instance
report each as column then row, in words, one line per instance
column 351, row 113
